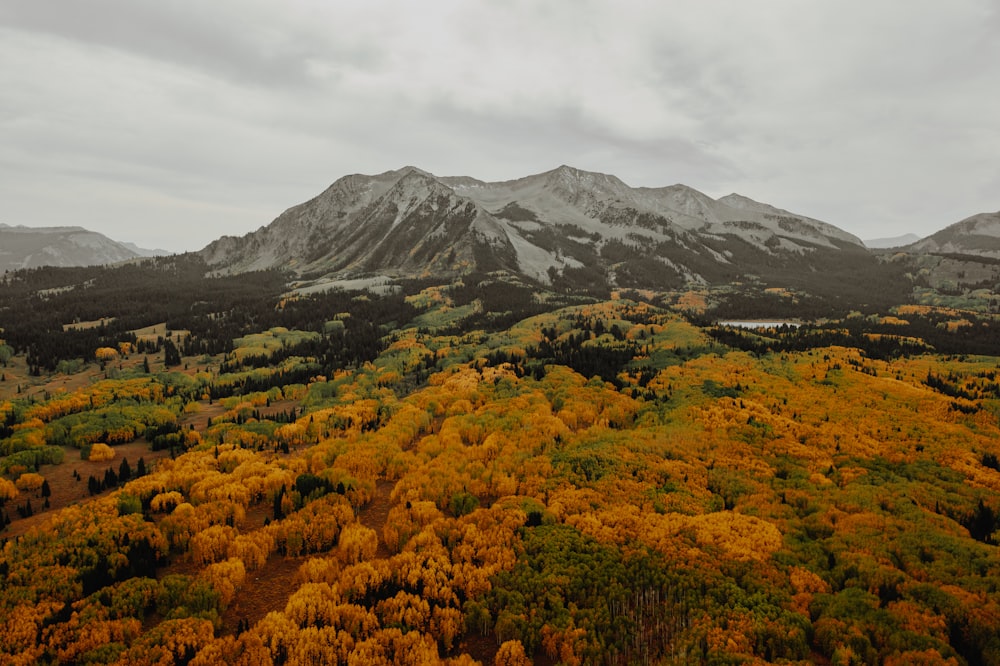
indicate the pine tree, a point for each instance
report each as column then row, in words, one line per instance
column 171, row 356
column 110, row 479
column 278, row 513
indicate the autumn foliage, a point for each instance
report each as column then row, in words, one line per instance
column 602, row 484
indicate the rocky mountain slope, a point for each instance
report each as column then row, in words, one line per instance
column 561, row 226
column 31, row 247
column 978, row 235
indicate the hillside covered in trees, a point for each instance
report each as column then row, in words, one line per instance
column 486, row 473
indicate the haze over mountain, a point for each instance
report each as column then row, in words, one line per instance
column 564, row 224
column 894, row 241
column 31, row 247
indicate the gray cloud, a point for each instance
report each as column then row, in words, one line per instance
column 173, row 123
column 246, row 41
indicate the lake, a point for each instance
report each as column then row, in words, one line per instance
column 759, row 324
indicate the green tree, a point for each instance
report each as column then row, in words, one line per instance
column 128, row 504
column 171, row 356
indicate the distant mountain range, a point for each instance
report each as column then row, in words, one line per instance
column 32, row 247
column 564, row 226
column 894, row 241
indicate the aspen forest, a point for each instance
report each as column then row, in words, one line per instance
column 492, row 474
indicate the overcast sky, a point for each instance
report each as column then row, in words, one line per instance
column 170, row 124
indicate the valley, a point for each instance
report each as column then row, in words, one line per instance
column 786, row 455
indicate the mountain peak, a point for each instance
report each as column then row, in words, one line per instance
column 566, row 173
column 735, row 200
column 403, row 171
column 415, row 182
column 566, row 221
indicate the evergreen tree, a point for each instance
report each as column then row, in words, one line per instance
column 278, row 513
column 171, row 356
column 124, row 471
column 110, row 479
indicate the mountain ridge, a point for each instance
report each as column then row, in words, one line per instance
column 977, row 235
column 891, row 241
column 62, row 246
column 547, row 227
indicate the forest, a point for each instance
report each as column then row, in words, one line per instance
column 486, row 472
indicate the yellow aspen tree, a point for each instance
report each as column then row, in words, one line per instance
column 447, row 623
column 101, row 452
column 405, row 609
column 318, row 570
column 8, row 490
column 320, row 645
column 105, row 355
column 253, row 548
column 357, row 543
column 29, row 482
column 21, row 626
column 312, row 604
column 277, row 632
column 511, row 653
column 226, row 578
column 212, row 544
column 355, row 581
column 166, row 502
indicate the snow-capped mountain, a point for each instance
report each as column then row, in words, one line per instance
column 564, row 224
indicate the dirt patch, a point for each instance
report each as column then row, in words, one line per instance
column 200, row 416
column 279, row 408
column 263, row 591
column 67, row 489
column 376, row 512
column 481, row 648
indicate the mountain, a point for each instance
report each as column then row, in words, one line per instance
column 894, row 241
column 978, row 235
column 31, row 247
column 145, row 252
column 562, row 227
